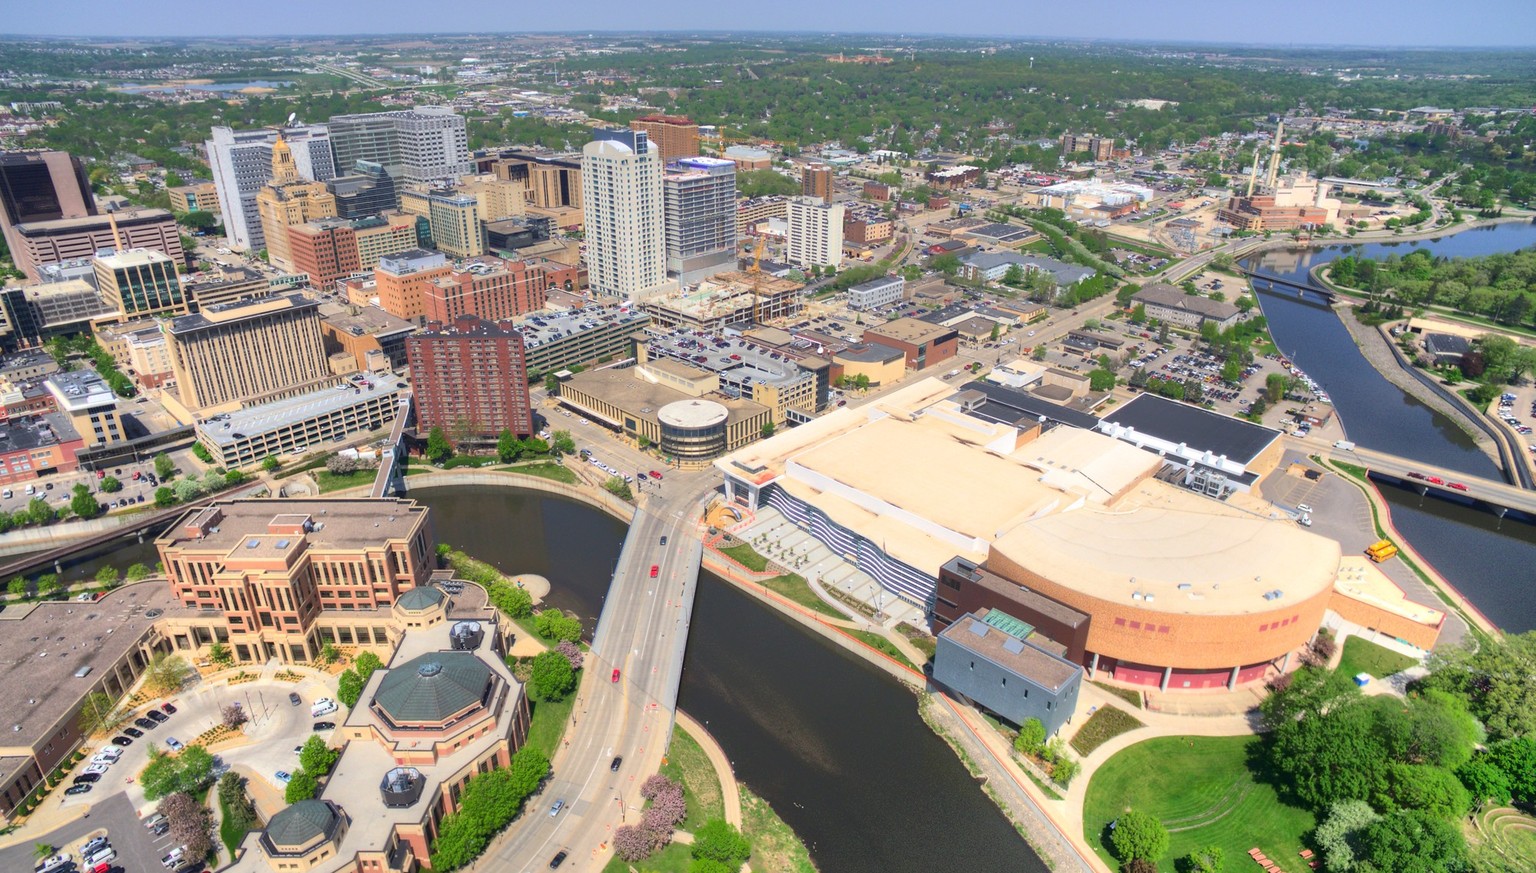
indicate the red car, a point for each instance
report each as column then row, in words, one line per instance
column 654, row 570
column 615, row 674
column 1457, row 485
column 1435, row 480
column 655, row 474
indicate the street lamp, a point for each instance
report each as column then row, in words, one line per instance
column 622, row 808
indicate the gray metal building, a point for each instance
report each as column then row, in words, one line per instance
column 1003, row 666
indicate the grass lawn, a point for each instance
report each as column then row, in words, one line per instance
column 775, row 848
column 1364, row 656
column 1511, row 833
column 746, row 556
column 879, row 642
column 329, row 481
column 1204, row 794
column 546, row 724
column 545, row 471
column 687, row 764
column 797, row 589
column 1104, row 725
column 675, row 858
column 231, row 834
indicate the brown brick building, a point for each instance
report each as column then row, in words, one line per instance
column 924, row 344
column 325, row 249
column 490, row 288
column 471, row 379
column 677, row 136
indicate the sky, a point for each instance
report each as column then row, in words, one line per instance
column 1278, row 22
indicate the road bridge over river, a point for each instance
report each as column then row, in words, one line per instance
column 1500, row 498
column 642, row 634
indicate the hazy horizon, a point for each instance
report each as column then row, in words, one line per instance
column 1366, row 24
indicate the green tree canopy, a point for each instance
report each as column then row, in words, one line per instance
column 302, row 785
column 718, row 840
column 552, row 677
column 1138, row 835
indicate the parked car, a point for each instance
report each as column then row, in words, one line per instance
column 168, row 709
column 325, row 725
column 121, row 741
column 98, row 769
column 174, row 744
column 133, row 732
column 283, row 777
column 294, row 698
column 82, row 788
column 146, row 723
column 157, row 716
column 87, row 777
column 559, row 859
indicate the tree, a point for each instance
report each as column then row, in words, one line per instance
column 552, row 385
column 42, row 850
column 99, row 714
column 111, row 485
column 219, row 654
column 632, row 844
column 270, row 463
column 1101, row 380
column 571, row 652
column 507, row 446
column 186, row 490
column 438, row 447
column 166, row 774
column 1501, row 354
column 189, row 823
column 235, row 477
column 718, row 840
column 1138, row 835
column 48, row 585
column 166, row 674
column 107, row 576
column 552, row 678
column 197, row 220
column 1031, row 736
column 236, row 803
column 1065, row 770
column 39, row 512
column 202, row 453
column 302, row 785
column 1497, row 678
column 348, row 688
column 164, row 497
column 552, row 624
column 1014, row 275
column 316, row 757
column 1339, row 834
column 1428, row 788
column 618, row 488
column 947, row 264
column 1206, row 860
column 767, row 429
column 17, row 586
column 1139, row 314
column 233, row 715
column 1516, row 759
column 1414, row 841
column 561, row 443
column 329, row 653
column 164, row 467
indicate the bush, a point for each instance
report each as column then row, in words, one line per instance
column 137, row 571
column 552, row 677
column 301, row 786
column 720, row 841
column 552, row 624
column 488, row 802
column 571, row 652
column 1031, row 736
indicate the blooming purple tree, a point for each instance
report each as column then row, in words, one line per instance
column 572, row 653
column 632, row 843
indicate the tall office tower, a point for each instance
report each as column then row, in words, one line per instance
column 816, row 181
column 246, row 350
column 814, row 232
column 366, row 191
column 41, row 186
column 456, row 227
column 677, row 136
column 241, row 161
column 470, row 379
column 286, row 201
column 325, row 250
column 139, row 282
column 625, row 220
column 421, row 145
column 700, row 207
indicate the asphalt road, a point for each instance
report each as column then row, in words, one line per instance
column 642, row 633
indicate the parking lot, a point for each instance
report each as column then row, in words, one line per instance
column 56, row 489
column 138, row 851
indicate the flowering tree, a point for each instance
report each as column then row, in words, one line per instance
column 572, row 653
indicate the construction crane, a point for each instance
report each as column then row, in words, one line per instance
column 756, row 272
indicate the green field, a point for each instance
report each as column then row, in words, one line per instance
column 673, row 859
column 880, row 643
column 545, row 471
column 690, row 767
column 546, row 724
column 797, row 589
column 1203, row 791
column 746, row 556
column 1364, row 656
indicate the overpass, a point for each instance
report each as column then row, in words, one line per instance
column 1276, row 282
column 392, row 454
column 1500, row 498
column 642, row 633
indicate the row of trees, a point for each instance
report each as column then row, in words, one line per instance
column 489, row 801
column 350, row 685
column 1501, row 287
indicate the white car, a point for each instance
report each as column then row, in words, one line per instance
column 96, row 768
column 107, row 756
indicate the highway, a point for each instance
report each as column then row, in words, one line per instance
column 643, row 633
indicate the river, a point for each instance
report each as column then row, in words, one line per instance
column 1472, row 549
column 834, row 744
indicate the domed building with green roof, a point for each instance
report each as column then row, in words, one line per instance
column 304, row 835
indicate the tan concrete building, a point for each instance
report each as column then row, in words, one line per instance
column 140, row 350
column 670, row 405
column 289, row 200
column 816, row 181
column 880, row 364
column 400, row 281
column 83, row 396
column 40, row 243
column 498, row 198
column 372, row 337
column 247, row 351
column 224, row 285
column 202, row 197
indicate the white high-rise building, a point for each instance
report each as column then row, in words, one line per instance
column 421, row 145
column 814, row 232
column 624, row 222
column 241, row 161
column 700, row 198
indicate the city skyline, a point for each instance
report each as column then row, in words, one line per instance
column 1414, row 23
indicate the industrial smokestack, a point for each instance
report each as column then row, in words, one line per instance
column 1274, row 155
column 1253, row 174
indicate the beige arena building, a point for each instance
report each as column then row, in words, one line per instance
column 958, row 504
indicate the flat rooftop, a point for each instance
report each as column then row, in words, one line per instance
column 1022, row 656
column 266, row 417
column 914, row 331
column 236, row 310
column 1200, row 429
column 339, row 524
column 642, row 397
column 36, row 432
column 539, row 328
column 739, row 362
column 41, row 649
column 1170, row 550
column 363, row 320
column 1361, row 579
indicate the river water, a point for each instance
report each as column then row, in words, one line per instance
column 835, row 745
column 1493, row 563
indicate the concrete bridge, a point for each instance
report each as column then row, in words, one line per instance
column 391, row 474
column 1500, row 498
column 1277, row 282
